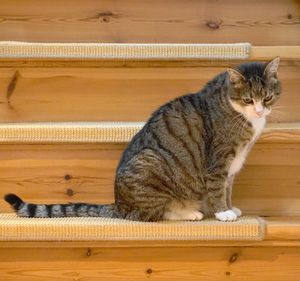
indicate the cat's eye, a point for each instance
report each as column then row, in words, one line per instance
column 268, row 98
column 247, row 100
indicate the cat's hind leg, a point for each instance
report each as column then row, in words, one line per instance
column 183, row 211
column 188, row 216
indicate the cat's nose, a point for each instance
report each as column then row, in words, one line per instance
column 259, row 112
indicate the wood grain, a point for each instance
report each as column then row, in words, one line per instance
column 268, row 185
column 172, row 263
column 289, row 56
column 282, row 228
column 114, row 94
column 281, row 133
column 151, row 21
column 269, row 52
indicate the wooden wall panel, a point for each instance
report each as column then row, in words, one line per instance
column 268, row 185
column 115, row 94
column 260, row 22
column 155, row 263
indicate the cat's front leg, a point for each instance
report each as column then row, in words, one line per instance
column 216, row 188
column 229, row 184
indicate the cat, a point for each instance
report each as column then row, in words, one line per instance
column 181, row 165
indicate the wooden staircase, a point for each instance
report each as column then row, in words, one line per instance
column 60, row 90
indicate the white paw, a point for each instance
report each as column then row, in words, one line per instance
column 237, row 211
column 193, row 216
column 228, row 215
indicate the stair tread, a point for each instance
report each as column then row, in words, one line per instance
column 13, row 228
column 110, row 132
column 282, row 228
column 181, row 53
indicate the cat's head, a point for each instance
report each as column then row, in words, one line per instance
column 254, row 88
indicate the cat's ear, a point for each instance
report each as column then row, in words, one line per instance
column 236, row 78
column 272, row 68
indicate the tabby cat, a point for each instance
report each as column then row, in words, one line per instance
column 182, row 163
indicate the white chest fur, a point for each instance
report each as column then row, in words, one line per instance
column 240, row 157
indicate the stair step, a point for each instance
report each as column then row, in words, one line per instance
column 58, row 173
column 111, row 132
column 182, row 53
column 278, row 255
column 206, row 232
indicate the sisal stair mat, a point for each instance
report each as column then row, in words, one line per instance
column 14, row 49
column 108, row 132
column 13, row 228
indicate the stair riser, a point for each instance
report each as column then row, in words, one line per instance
column 165, row 264
column 152, row 21
column 114, row 94
column 268, row 185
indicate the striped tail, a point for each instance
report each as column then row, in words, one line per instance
column 29, row 210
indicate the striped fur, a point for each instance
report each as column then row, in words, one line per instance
column 182, row 163
column 24, row 209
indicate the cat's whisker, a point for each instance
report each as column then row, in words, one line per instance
column 276, row 111
column 278, row 114
column 275, row 118
column 280, row 106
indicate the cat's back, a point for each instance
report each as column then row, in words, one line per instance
column 180, row 121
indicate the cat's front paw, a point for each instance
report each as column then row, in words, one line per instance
column 237, row 211
column 228, row 215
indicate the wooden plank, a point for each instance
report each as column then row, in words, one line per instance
column 192, row 263
column 289, row 55
column 269, row 52
column 268, row 185
column 281, row 133
column 282, row 228
column 114, row 94
column 64, row 173
column 148, row 244
column 152, row 21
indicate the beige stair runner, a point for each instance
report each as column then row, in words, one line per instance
column 13, row 228
column 13, row 49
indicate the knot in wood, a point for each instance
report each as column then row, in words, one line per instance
column 149, row 271
column 213, row 24
column 67, row 177
column 70, row 192
column 233, row 258
column 105, row 16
